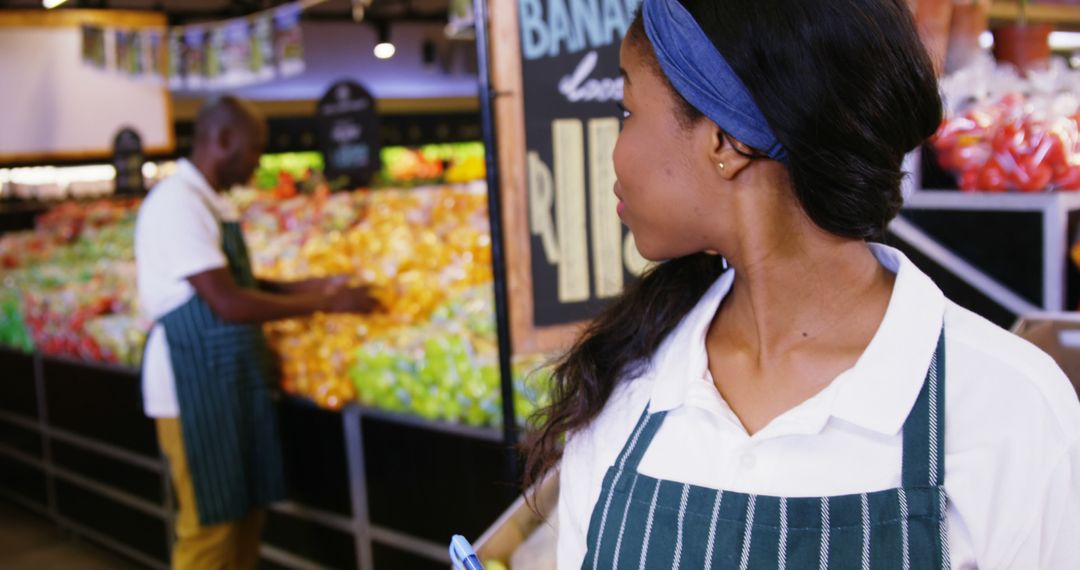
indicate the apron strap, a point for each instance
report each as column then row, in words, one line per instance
column 235, row 248
column 924, row 429
column 634, row 448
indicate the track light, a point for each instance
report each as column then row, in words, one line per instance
column 384, row 49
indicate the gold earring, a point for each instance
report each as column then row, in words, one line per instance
column 721, row 165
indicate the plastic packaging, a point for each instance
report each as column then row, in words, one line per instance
column 1004, row 132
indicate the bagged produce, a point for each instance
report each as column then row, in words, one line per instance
column 69, row 289
column 119, row 337
column 75, row 266
column 1003, row 132
column 13, row 330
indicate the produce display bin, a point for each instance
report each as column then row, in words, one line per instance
column 367, row 488
column 76, row 448
column 1002, row 255
column 519, row 521
column 18, row 216
column 427, row 481
column 1058, row 334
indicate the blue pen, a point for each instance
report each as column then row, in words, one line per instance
column 462, row 554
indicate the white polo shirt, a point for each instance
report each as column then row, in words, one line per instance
column 177, row 235
column 1012, row 430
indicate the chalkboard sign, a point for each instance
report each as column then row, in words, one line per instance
column 128, row 160
column 581, row 254
column 348, row 133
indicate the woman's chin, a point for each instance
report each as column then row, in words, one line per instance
column 655, row 253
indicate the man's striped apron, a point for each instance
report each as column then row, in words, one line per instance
column 224, row 381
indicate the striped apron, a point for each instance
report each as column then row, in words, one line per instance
column 643, row 522
column 223, row 387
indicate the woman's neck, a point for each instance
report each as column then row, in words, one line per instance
column 797, row 286
column 810, row 297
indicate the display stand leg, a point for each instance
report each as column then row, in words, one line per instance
column 354, row 451
column 46, row 439
column 1055, row 257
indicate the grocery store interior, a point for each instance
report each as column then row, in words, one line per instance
column 419, row 147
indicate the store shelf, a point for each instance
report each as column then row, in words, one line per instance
column 19, row 420
column 1000, row 254
column 18, row 392
column 1016, row 245
column 993, row 201
column 119, row 369
column 1061, row 14
column 21, row 456
column 289, row 560
column 338, row 462
column 405, row 419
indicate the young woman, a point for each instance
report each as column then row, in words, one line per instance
column 780, row 391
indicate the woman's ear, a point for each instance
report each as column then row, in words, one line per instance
column 727, row 154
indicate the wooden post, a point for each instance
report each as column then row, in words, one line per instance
column 506, row 77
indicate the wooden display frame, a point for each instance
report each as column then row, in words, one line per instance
column 1060, row 14
column 188, row 109
column 74, row 19
column 509, row 111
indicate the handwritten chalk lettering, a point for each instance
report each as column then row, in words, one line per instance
column 557, row 211
column 541, row 201
column 571, row 26
column 606, row 226
column 351, row 156
column 346, row 132
column 569, row 158
column 346, row 106
column 576, row 89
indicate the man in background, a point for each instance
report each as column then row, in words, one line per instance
column 207, row 378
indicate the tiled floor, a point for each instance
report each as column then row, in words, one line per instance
column 31, row 542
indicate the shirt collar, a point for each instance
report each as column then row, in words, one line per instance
column 877, row 393
column 681, row 358
column 195, row 180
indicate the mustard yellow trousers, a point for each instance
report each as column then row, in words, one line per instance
column 226, row 546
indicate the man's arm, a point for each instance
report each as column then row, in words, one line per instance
column 323, row 285
column 240, row 305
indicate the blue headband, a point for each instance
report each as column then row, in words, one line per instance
column 703, row 77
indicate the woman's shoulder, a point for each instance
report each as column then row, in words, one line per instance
column 1002, row 382
column 602, row 439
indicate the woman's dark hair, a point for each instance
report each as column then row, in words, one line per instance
column 848, row 89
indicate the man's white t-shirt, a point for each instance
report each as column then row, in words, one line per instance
column 177, row 235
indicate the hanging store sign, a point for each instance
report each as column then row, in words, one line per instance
column 233, row 53
column 348, row 134
column 128, row 159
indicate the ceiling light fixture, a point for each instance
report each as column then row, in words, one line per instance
column 50, row 4
column 385, row 48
